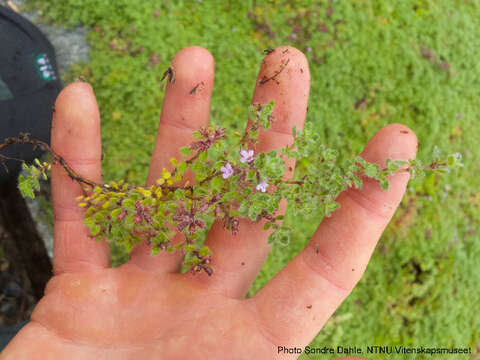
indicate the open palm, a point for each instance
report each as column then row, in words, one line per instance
column 147, row 309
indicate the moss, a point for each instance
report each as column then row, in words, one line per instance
column 372, row 63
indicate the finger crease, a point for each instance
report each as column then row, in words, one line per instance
column 178, row 125
column 367, row 204
column 317, row 269
column 262, row 326
column 280, row 132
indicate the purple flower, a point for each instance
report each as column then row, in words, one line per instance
column 227, row 170
column 247, row 156
column 262, row 186
column 294, row 36
column 309, row 49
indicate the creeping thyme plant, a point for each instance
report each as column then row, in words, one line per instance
column 230, row 183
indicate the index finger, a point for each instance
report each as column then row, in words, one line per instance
column 75, row 137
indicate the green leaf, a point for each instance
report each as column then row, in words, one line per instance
column 204, row 251
column 217, row 183
column 253, row 212
column 36, row 183
column 230, row 195
column 182, row 167
column 95, row 229
column 371, row 170
column 246, row 192
column 25, row 187
column 148, row 201
column 243, row 208
column 442, row 170
column 198, row 167
column 99, row 217
column 281, row 236
column 454, row 160
column 396, row 165
column 185, row 151
column 128, row 204
column 271, row 238
column 357, row 182
column 429, row 184
column 189, row 248
column 128, row 222
column 203, row 156
column 384, row 183
column 88, row 221
column 360, row 160
column 179, row 194
column 160, row 238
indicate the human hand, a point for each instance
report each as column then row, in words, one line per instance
column 146, row 309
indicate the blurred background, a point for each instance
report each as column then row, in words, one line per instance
column 372, row 63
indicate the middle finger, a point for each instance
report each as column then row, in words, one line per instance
column 237, row 259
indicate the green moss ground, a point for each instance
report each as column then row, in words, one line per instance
column 372, row 63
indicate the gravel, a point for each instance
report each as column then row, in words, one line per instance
column 70, row 46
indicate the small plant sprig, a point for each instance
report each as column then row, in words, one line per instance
column 230, row 183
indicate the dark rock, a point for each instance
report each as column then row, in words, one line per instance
column 9, row 309
column 13, row 289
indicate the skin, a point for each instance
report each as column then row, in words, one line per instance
column 146, row 309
